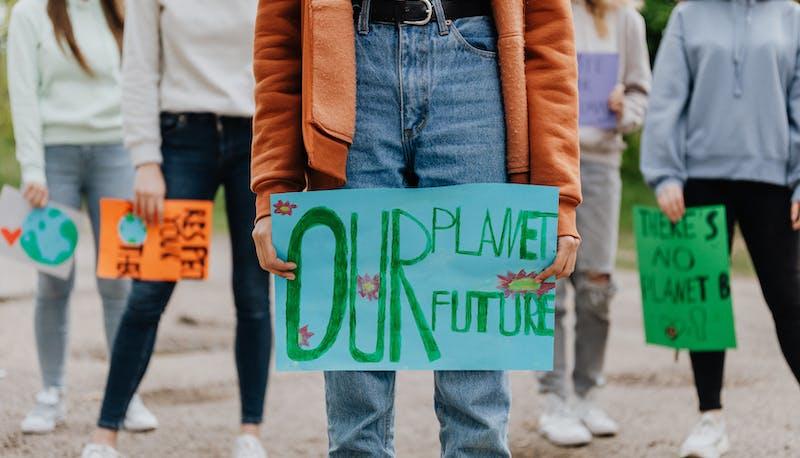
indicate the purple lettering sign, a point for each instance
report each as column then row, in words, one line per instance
column 597, row 76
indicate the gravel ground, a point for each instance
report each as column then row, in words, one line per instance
column 191, row 384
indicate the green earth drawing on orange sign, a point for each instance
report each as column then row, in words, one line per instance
column 49, row 236
column 132, row 230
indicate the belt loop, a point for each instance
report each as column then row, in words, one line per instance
column 363, row 17
column 441, row 19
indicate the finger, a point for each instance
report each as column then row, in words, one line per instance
column 569, row 268
column 672, row 211
column 676, row 211
column 45, row 197
column 555, row 268
column 681, row 205
column 159, row 204
column 41, row 198
column 138, row 207
column 280, row 264
column 149, row 210
column 288, row 274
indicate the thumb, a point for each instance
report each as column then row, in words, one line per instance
column 795, row 211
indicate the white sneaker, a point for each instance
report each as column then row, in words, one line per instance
column 559, row 425
column 138, row 418
column 596, row 419
column 99, row 451
column 2, row 373
column 708, row 438
column 48, row 412
column 248, row 446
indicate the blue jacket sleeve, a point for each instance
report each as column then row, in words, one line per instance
column 663, row 157
column 794, row 130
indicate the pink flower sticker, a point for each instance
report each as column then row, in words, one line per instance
column 284, row 208
column 369, row 287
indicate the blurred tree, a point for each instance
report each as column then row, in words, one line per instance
column 656, row 14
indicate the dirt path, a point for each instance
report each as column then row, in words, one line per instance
column 191, row 384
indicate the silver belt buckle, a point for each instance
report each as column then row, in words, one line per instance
column 427, row 19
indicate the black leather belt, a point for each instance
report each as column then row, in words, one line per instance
column 421, row 12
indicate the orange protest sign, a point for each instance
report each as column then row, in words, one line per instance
column 177, row 249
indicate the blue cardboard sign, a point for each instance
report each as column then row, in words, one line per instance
column 436, row 278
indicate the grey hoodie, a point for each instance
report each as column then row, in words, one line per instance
column 725, row 101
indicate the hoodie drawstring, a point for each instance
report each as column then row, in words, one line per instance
column 739, row 42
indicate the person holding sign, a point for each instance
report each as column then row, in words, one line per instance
column 412, row 96
column 64, row 87
column 188, row 106
column 724, row 129
column 614, row 70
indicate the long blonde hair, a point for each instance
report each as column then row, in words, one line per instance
column 599, row 8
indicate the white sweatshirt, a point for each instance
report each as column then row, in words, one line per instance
column 626, row 36
column 53, row 100
column 184, row 56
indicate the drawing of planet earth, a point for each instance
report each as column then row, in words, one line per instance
column 49, row 236
column 132, row 230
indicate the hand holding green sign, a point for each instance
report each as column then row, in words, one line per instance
column 685, row 278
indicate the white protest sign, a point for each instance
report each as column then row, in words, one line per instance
column 43, row 237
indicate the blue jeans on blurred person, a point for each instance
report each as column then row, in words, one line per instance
column 436, row 120
column 74, row 172
column 201, row 152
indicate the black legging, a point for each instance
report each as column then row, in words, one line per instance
column 762, row 212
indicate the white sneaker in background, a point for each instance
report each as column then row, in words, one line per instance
column 708, row 438
column 596, row 419
column 138, row 418
column 560, row 425
column 99, row 451
column 248, row 446
column 2, row 374
column 48, row 412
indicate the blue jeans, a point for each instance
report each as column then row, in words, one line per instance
column 429, row 113
column 74, row 172
column 201, row 152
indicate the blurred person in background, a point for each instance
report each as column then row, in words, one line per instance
column 724, row 129
column 188, row 107
column 601, row 27
column 64, row 86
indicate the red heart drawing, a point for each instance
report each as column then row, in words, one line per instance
column 10, row 236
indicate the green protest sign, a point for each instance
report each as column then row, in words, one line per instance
column 685, row 278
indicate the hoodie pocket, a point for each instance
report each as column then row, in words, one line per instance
column 332, row 67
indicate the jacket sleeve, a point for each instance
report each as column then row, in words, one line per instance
column 637, row 78
column 794, row 131
column 23, row 81
column 551, row 73
column 663, row 158
column 141, row 76
column 278, row 158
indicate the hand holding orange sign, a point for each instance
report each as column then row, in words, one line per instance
column 176, row 249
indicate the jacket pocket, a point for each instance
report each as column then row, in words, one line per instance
column 333, row 68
